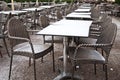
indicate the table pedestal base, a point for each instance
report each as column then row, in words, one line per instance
column 67, row 76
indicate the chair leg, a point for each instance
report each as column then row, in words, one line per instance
column 103, row 55
column 106, row 75
column 95, row 68
column 6, row 46
column 73, row 70
column 44, row 39
column 42, row 59
column 34, row 64
column 29, row 61
column 1, row 54
column 102, row 52
column 10, row 67
column 53, row 61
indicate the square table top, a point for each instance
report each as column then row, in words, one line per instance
column 78, row 16
column 15, row 12
column 65, row 27
column 77, row 13
column 82, row 10
column 47, row 6
column 33, row 9
column 84, row 7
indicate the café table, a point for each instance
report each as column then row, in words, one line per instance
column 67, row 28
column 15, row 12
column 47, row 6
column 88, row 13
column 33, row 9
column 10, row 4
column 82, row 10
column 84, row 7
column 60, row 5
column 78, row 16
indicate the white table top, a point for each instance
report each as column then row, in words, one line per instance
column 15, row 12
column 82, row 10
column 33, row 9
column 13, row 3
column 47, row 6
column 89, row 13
column 65, row 27
column 86, row 4
column 62, row 4
column 84, row 7
column 77, row 16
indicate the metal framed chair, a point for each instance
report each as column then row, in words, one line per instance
column 44, row 22
column 83, row 55
column 95, row 32
column 3, row 34
column 21, row 44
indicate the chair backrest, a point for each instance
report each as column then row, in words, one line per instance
column 44, row 21
column 18, row 6
column 103, row 17
column 106, row 22
column 16, row 31
column 108, row 37
column 59, row 15
column 1, row 25
column 6, row 8
column 95, row 12
column 3, row 22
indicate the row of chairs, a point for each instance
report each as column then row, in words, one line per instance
column 20, row 43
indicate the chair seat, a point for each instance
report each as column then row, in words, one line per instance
column 40, row 50
column 87, row 41
column 85, row 55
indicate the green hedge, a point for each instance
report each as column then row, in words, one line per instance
column 57, row 1
column 117, row 1
column 28, row 0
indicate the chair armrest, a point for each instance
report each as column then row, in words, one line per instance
column 89, row 45
column 19, row 38
column 92, row 45
column 33, row 30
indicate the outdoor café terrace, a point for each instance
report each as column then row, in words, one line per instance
column 60, row 40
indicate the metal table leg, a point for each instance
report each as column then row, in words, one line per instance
column 64, row 75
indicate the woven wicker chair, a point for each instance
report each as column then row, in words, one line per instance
column 95, row 33
column 96, row 30
column 82, row 54
column 95, row 13
column 56, row 15
column 21, row 44
column 31, row 19
column 3, row 34
column 44, row 22
column 59, row 15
